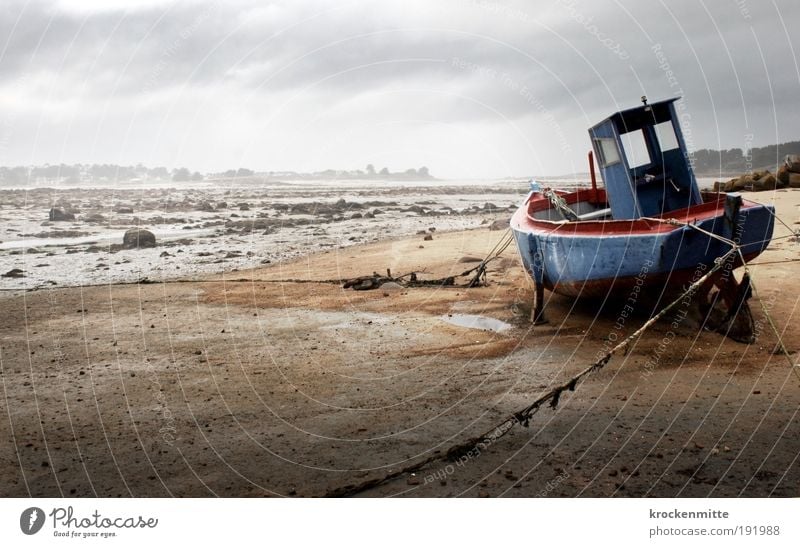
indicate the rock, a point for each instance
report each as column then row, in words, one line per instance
column 718, row 186
column 268, row 226
column 792, row 163
column 222, row 205
column 744, row 182
column 57, row 215
column 783, row 175
column 244, row 206
column 501, row 224
column 766, row 181
column 794, row 180
column 95, row 217
column 138, row 238
column 428, row 237
column 16, row 273
column 205, row 206
column 124, row 210
column 413, row 209
column 469, row 259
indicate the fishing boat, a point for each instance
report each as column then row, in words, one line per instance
column 649, row 228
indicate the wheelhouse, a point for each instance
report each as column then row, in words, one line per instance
column 643, row 162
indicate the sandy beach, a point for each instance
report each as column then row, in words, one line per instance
column 233, row 381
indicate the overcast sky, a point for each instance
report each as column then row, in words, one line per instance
column 469, row 88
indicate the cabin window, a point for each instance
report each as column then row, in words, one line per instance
column 667, row 140
column 609, row 154
column 635, row 147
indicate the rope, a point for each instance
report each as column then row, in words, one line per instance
column 786, row 261
column 779, row 219
column 499, row 248
column 675, row 222
column 553, row 396
column 560, row 205
column 781, row 345
column 524, row 415
column 749, row 273
column 496, row 251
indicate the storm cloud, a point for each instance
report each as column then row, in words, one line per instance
column 471, row 88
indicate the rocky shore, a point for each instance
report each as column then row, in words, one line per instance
column 67, row 237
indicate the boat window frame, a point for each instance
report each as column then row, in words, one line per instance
column 601, row 151
column 636, row 148
column 667, row 138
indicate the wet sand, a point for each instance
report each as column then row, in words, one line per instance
column 242, row 385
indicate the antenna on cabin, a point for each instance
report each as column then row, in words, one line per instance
column 644, row 100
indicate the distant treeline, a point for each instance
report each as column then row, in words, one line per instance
column 736, row 160
column 82, row 173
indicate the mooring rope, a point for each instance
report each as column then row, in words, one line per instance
column 779, row 219
column 749, row 273
column 560, row 205
column 524, row 415
column 794, row 366
column 499, row 248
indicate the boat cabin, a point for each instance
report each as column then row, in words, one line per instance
column 643, row 161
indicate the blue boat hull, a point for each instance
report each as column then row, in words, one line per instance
column 598, row 265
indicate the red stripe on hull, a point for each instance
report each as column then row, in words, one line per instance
column 714, row 206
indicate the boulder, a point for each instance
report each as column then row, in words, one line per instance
column 501, row 224
column 413, row 209
column 57, row 215
column 391, row 286
column 782, row 175
column 206, row 207
column 15, row 273
column 138, row 238
column 794, row 180
column 95, row 217
column 766, row 181
column 745, row 182
column 792, row 163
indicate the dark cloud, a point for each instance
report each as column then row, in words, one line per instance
column 532, row 76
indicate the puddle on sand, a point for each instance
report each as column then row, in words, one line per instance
column 476, row 322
